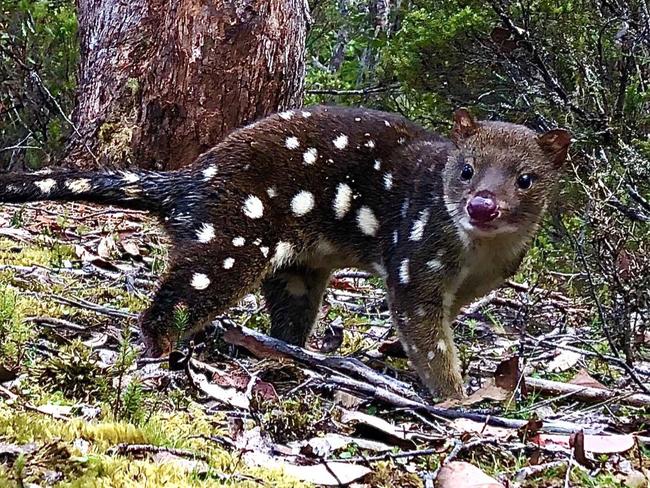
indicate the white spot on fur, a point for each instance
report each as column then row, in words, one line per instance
column 209, row 172
column 238, row 241
column 342, row 200
column 253, row 207
column 417, row 232
column 292, row 142
column 310, row 156
column 341, row 142
column 130, row 177
column 264, row 250
column 257, row 242
column 205, row 233
column 395, row 236
column 45, row 186
column 79, row 185
column 306, row 114
column 296, row 286
column 200, row 281
column 284, row 253
column 405, row 207
column 431, row 355
column 404, row 274
column 286, row 115
column 272, row 192
column 302, row 203
column 386, row 123
column 228, row 263
column 367, row 221
column 377, row 164
column 442, row 345
column 401, row 140
column 388, row 180
column 435, row 265
column 370, row 144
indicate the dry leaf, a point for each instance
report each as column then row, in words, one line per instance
column 508, row 374
column 131, row 248
column 470, row 426
column 563, row 361
column 106, row 246
column 583, row 378
column 597, row 444
column 459, row 474
column 489, row 391
column 332, row 474
column 373, row 426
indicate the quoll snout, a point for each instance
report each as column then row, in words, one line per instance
column 482, row 207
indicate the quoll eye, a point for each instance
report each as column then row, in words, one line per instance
column 525, row 181
column 467, row 172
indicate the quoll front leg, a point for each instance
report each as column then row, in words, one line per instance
column 425, row 332
column 294, row 295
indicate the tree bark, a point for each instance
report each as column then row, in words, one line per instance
column 160, row 82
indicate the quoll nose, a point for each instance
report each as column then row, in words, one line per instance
column 483, row 207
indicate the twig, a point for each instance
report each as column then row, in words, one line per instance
column 123, row 449
column 56, row 323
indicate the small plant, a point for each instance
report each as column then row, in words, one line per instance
column 180, row 320
column 74, row 370
column 126, row 400
column 14, row 332
column 18, row 218
column 299, row 417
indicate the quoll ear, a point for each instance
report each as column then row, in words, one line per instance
column 555, row 143
column 464, row 125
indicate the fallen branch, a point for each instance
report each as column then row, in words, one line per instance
column 264, row 346
column 376, row 386
column 123, row 449
column 585, row 393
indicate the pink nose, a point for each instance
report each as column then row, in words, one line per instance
column 482, row 207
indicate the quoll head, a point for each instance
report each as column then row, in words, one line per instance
column 501, row 176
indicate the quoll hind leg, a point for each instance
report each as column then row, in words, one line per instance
column 198, row 286
column 429, row 342
column 294, row 295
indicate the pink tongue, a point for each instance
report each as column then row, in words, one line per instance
column 482, row 207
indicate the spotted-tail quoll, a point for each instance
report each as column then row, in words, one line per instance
column 283, row 202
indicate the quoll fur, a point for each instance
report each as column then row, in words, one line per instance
column 283, row 202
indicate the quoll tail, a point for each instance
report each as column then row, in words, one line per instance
column 138, row 190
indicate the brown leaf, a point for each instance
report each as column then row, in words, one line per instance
column 392, row 348
column 7, row 374
column 459, row 474
column 577, row 441
column 489, row 391
column 376, row 428
column 507, row 374
column 583, row 378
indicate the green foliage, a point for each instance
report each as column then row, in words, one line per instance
column 38, row 56
column 74, row 371
column 14, row 332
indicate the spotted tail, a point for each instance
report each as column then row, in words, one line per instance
column 139, row 190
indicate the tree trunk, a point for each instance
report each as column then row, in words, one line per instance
column 161, row 81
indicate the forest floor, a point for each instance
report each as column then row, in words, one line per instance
column 549, row 407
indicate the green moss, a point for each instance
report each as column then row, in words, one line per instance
column 99, row 469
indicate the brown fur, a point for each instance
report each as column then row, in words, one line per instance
column 387, row 198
